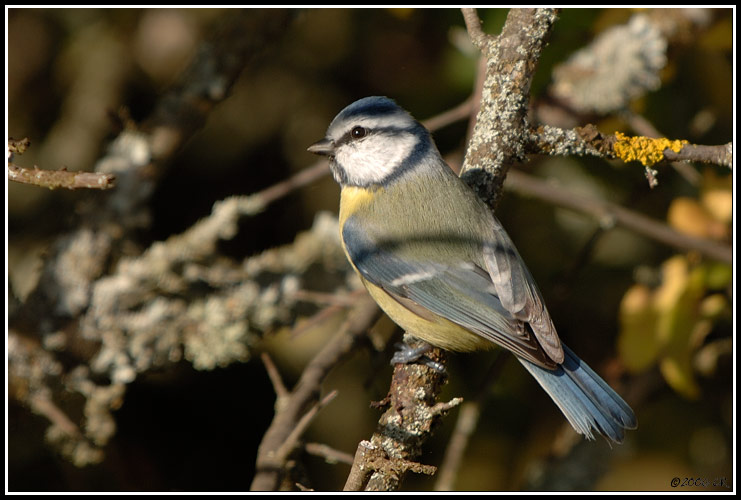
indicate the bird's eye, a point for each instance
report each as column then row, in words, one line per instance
column 358, row 132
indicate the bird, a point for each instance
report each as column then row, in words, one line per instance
column 441, row 265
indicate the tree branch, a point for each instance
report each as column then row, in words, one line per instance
column 53, row 179
column 410, row 417
column 499, row 136
column 718, row 155
column 649, row 151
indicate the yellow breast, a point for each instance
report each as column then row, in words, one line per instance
column 431, row 328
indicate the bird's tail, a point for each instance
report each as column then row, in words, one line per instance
column 584, row 398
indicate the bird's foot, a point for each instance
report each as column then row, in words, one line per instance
column 406, row 354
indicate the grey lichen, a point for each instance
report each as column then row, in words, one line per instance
column 151, row 312
column 621, row 64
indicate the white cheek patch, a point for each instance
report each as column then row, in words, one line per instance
column 374, row 158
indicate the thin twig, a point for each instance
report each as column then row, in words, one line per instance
column 332, row 299
column 55, row 179
column 348, row 300
column 719, row 155
column 291, row 441
column 468, row 418
column 277, row 191
column 329, row 454
column 456, row 114
column 268, row 474
column 612, row 213
column 473, row 25
column 274, row 376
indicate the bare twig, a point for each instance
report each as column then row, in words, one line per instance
column 260, row 200
column 719, row 155
column 458, row 113
column 336, row 304
column 268, row 474
column 468, row 418
column 609, row 213
column 291, row 442
column 329, row 454
column 473, row 25
column 54, row 179
column 275, row 378
column 332, row 299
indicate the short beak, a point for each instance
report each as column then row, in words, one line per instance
column 324, row 147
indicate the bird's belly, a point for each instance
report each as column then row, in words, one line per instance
column 432, row 328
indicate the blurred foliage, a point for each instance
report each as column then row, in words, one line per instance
column 668, row 325
column 71, row 70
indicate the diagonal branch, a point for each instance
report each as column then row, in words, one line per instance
column 269, row 474
column 611, row 213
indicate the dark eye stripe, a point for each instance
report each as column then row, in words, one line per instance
column 348, row 137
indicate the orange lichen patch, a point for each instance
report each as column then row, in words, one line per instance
column 644, row 149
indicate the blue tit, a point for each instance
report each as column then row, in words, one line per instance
column 442, row 267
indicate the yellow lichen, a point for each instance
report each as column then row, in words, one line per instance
column 644, row 149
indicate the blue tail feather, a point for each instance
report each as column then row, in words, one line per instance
column 584, row 398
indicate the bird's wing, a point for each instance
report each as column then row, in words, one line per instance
column 517, row 291
column 460, row 292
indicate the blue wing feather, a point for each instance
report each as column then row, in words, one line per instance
column 431, row 284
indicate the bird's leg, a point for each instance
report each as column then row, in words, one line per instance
column 406, row 354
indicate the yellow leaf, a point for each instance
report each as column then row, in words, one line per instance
column 717, row 196
column 678, row 322
column 678, row 374
column 673, row 281
column 689, row 217
column 718, row 275
column 637, row 343
column 714, row 306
